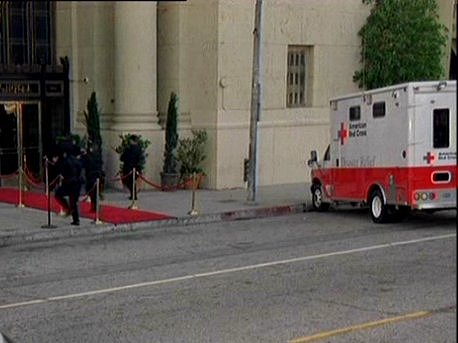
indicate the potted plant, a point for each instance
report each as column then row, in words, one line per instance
column 169, row 174
column 190, row 155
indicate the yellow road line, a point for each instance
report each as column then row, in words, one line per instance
column 369, row 325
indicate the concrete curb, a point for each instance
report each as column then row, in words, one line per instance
column 60, row 233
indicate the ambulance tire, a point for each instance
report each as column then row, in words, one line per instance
column 317, row 199
column 380, row 212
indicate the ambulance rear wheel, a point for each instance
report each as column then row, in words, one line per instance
column 379, row 210
column 317, row 199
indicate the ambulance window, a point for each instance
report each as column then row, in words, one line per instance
column 355, row 113
column 378, row 109
column 441, row 128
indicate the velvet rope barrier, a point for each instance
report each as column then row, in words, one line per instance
column 121, row 177
column 84, row 197
column 9, row 176
column 180, row 185
column 32, row 180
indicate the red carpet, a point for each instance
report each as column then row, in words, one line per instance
column 108, row 214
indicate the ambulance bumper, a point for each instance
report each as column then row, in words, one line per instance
column 433, row 199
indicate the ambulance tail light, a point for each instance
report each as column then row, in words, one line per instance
column 424, row 196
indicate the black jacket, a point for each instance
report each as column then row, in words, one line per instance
column 132, row 158
column 93, row 167
column 70, row 168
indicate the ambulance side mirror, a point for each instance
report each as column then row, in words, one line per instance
column 313, row 158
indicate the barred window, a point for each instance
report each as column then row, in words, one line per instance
column 378, row 109
column 298, row 76
column 355, row 113
column 26, row 32
column 441, row 128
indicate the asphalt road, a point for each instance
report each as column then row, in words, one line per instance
column 321, row 277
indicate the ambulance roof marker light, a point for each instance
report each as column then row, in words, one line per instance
column 368, row 99
column 441, row 85
column 333, row 105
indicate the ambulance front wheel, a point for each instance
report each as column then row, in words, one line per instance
column 317, row 199
column 379, row 210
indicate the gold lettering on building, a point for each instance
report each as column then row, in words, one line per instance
column 15, row 88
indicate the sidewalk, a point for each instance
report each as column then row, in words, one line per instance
column 20, row 225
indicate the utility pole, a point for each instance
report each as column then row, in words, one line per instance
column 255, row 104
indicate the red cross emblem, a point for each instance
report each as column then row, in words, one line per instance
column 342, row 133
column 429, row 158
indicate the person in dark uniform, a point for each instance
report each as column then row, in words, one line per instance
column 93, row 169
column 131, row 158
column 69, row 167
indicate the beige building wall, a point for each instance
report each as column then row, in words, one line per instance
column 205, row 52
column 135, row 54
column 447, row 16
column 187, row 65
column 286, row 135
column 113, row 46
column 85, row 34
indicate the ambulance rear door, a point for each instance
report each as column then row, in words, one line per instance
column 433, row 142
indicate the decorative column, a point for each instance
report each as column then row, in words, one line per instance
column 135, row 81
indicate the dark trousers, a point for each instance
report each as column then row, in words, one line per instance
column 93, row 196
column 73, row 193
column 91, row 184
column 92, row 192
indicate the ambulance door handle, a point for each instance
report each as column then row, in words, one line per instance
column 337, row 162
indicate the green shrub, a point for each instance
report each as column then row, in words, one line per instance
column 402, row 41
column 190, row 153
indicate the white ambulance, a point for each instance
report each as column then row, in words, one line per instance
column 392, row 148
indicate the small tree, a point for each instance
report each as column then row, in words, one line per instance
column 92, row 123
column 171, row 136
column 402, row 41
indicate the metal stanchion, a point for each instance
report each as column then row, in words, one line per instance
column 193, row 211
column 24, row 168
column 46, row 176
column 48, row 197
column 20, row 204
column 97, row 204
column 133, row 205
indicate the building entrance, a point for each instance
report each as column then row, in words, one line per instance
column 20, row 137
column 34, row 112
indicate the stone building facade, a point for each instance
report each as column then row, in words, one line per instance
column 134, row 54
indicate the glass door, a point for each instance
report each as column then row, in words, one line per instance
column 31, row 137
column 8, row 139
column 20, row 138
